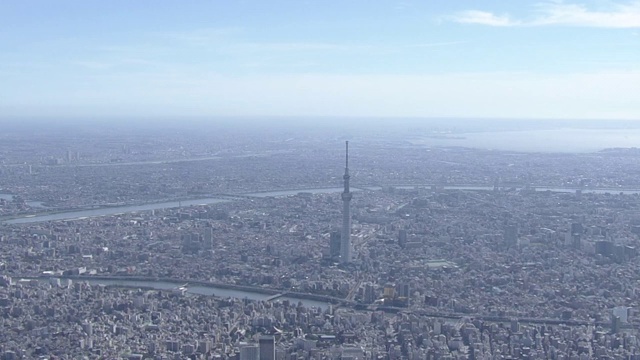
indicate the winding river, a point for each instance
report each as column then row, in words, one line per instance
column 112, row 210
column 86, row 213
column 198, row 289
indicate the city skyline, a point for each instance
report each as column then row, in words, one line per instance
column 533, row 59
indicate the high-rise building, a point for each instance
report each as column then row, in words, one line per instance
column 576, row 241
column 334, row 244
column 515, row 326
column 402, row 238
column 577, row 229
column 345, row 241
column 208, row 237
column 511, row 235
column 616, row 323
column 622, row 312
column 389, row 291
column 576, row 235
column 369, row 294
column 403, row 290
column 249, row 352
column 267, row 345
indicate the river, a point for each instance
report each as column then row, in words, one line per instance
column 201, row 290
column 540, row 188
column 82, row 214
column 279, row 193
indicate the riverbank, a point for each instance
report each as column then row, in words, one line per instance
column 268, row 292
column 257, row 293
column 86, row 212
column 106, row 210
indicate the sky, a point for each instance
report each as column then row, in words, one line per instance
column 360, row 58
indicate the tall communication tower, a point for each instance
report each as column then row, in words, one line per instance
column 345, row 238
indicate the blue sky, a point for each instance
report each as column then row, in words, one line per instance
column 516, row 59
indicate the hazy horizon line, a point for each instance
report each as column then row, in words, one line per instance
column 299, row 117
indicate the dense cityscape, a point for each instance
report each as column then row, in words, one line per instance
column 205, row 244
column 319, row 180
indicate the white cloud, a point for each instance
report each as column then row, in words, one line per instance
column 93, row 65
column 483, row 18
column 202, row 36
column 111, row 63
column 621, row 16
column 435, row 44
column 294, row 46
column 560, row 13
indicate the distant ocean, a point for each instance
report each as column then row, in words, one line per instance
column 563, row 140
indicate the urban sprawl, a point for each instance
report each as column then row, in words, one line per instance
column 454, row 253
